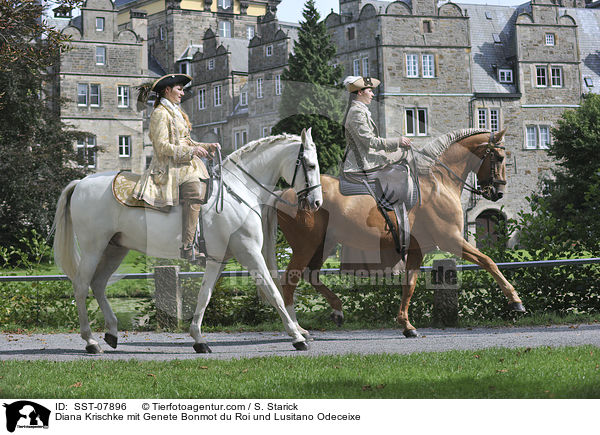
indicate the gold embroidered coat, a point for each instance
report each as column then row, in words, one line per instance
column 173, row 162
column 365, row 149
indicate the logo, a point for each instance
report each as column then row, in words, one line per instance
column 26, row 414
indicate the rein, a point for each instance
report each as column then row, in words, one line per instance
column 301, row 194
column 491, row 145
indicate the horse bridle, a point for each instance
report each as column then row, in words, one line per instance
column 301, row 194
column 491, row 146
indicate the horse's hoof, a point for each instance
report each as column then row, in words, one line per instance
column 338, row 319
column 517, row 306
column 301, row 345
column 111, row 340
column 93, row 349
column 202, row 348
column 410, row 333
column 307, row 336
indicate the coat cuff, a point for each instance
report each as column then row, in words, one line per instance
column 392, row 144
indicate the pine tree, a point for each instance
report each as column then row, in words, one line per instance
column 37, row 158
column 313, row 96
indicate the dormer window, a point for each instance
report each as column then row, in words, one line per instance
column 505, row 76
column 269, row 50
column 211, row 64
column 351, row 33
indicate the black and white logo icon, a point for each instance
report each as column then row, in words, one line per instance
column 27, row 415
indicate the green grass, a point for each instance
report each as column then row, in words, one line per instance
column 570, row 372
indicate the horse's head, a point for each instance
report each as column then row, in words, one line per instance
column 306, row 180
column 491, row 175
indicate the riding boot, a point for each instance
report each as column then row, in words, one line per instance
column 190, row 194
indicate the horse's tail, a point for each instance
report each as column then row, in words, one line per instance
column 269, row 227
column 66, row 255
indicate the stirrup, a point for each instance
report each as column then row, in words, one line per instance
column 191, row 255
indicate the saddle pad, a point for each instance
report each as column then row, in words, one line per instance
column 348, row 187
column 122, row 187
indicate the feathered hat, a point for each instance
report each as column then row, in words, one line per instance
column 159, row 85
column 356, row 83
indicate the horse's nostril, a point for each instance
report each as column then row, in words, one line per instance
column 317, row 204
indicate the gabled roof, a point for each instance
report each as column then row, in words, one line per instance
column 588, row 33
column 488, row 25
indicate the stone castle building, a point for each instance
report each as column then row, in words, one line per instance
column 443, row 67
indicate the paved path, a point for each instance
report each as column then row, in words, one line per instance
column 168, row 346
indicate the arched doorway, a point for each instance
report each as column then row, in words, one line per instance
column 488, row 229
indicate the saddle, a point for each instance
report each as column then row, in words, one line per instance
column 394, row 188
column 122, row 187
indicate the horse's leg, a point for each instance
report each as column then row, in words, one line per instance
column 81, row 287
column 473, row 255
column 314, row 266
column 211, row 275
column 414, row 259
column 111, row 259
column 253, row 260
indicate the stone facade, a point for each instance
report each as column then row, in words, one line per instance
column 443, row 67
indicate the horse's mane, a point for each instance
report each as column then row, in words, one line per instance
column 425, row 157
column 251, row 146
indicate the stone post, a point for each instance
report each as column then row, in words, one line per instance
column 445, row 283
column 168, row 298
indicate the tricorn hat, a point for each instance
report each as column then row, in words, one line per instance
column 158, row 86
column 169, row 81
column 356, row 83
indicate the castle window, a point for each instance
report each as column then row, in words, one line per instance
column 588, row 82
column 244, row 99
column 278, row 84
column 63, row 12
column 356, row 67
column 259, row 88
column 225, row 29
column 550, row 39
column 427, row 27
column 351, row 34
column 161, row 33
column 124, row 146
column 240, row 137
column 94, row 95
column 99, row 24
column 217, row 96
column 416, row 122
column 556, row 77
column 269, row 50
column 412, row 65
column 541, row 76
column 497, row 39
column 100, row 55
column 505, row 76
column 365, row 67
column 428, row 65
column 82, row 94
column 266, row 131
column 123, row 96
column 211, row 64
column 250, row 32
column 86, row 150
column 202, row 99
column 537, row 137
column 224, row 4
column 488, row 118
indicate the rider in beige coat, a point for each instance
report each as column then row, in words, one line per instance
column 176, row 169
column 365, row 150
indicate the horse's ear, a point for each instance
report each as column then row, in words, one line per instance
column 309, row 132
column 303, row 135
column 500, row 135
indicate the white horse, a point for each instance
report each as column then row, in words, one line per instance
column 88, row 215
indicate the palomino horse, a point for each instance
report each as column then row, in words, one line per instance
column 88, row 214
column 437, row 222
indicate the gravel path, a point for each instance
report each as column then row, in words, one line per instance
column 149, row 346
